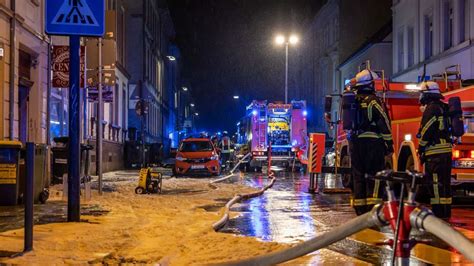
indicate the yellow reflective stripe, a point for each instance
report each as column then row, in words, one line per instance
column 423, row 143
column 369, row 111
column 439, row 146
column 376, row 189
column 446, row 201
column 369, row 135
column 364, row 105
column 387, row 136
column 435, row 189
column 427, row 126
column 440, row 151
column 441, row 122
column 443, row 141
column 384, row 115
column 358, row 202
column 373, row 201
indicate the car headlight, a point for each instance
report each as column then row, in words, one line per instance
column 179, row 158
column 215, row 157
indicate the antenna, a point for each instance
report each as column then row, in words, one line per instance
column 423, row 76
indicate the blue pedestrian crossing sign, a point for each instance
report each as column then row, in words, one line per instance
column 75, row 17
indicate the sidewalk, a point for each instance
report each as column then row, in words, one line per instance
column 122, row 227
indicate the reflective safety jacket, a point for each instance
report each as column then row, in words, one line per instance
column 373, row 119
column 434, row 133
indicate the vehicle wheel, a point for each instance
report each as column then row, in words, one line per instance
column 139, row 190
column 346, row 178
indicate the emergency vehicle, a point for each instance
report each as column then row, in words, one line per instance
column 402, row 102
column 282, row 125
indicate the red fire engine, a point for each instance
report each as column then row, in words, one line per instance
column 402, row 102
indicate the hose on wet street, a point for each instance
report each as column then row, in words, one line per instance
column 424, row 220
column 339, row 233
column 231, row 172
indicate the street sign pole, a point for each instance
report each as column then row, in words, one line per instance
column 74, row 158
column 99, row 122
column 75, row 19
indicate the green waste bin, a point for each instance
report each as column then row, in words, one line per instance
column 9, row 172
column 41, row 182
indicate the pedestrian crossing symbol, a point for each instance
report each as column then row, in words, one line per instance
column 75, row 17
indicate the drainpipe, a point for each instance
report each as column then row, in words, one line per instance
column 11, row 93
column 48, row 101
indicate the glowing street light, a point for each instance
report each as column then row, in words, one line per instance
column 171, row 58
column 196, row 114
column 192, row 105
column 280, row 39
column 185, row 89
column 236, row 97
column 293, row 40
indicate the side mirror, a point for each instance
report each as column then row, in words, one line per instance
column 328, row 104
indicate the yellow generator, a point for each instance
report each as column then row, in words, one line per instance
column 149, row 181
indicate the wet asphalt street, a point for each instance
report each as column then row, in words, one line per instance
column 287, row 213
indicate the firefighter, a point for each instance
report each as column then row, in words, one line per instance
column 371, row 141
column 225, row 147
column 435, row 148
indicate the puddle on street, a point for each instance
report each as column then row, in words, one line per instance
column 286, row 213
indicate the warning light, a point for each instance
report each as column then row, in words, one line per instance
column 254, row 112
column 305, row 113
column 472, row 154
column 457, row 154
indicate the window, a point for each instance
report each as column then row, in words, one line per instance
column 428, row 34
column 448, row 24
column 411, row 46
column 400, row 51
column 463, row 20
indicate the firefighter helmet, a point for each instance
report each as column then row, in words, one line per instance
column 364, row 80
column 429, row 90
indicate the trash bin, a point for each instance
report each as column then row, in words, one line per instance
column 40, row 182
column 9, row 172
column 59, row 159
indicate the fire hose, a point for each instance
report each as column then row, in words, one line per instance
column 237, row 198
column 422, row 219
column 418, row 218
column 353, row 226
column 231, row 173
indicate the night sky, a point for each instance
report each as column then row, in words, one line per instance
column 228, row 49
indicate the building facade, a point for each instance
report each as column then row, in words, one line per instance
column 334, row 35
column 154, row 72
column 24, row 69
column 437, row 33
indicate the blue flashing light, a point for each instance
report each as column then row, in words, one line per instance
column 254, row 113
column 305, row 113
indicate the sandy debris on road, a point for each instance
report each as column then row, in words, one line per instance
column 169, row 229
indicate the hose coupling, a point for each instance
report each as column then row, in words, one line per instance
column 418, row 216
column 377, row 217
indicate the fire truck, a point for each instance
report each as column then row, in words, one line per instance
column 402, row 103
column 283, row 126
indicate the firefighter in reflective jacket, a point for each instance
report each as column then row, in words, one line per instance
column 225, row 147
column 371, row 141
column 435, row 148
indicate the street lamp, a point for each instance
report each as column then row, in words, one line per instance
column 185, row 88
column 196, row 114
column 282, row 40
column 192, row 104
column 171, row 58
column 236, row 97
